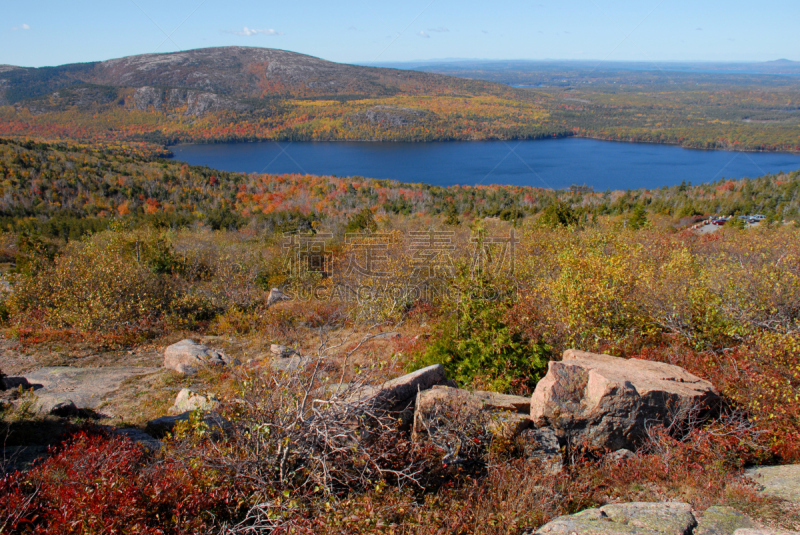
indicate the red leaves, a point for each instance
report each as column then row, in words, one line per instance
column 103, row 484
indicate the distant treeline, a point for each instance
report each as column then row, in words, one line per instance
column 67, row 190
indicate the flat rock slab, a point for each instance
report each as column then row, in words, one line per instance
column 639, row 518
column 446, row 406
column 495, row 401
column 85, row 387
column 721, row 520
column 779, row 481
column 747, row 531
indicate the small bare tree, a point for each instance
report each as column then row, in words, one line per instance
column 297, row 435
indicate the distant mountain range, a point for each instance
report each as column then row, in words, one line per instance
column 779, row 66
column 561, row 73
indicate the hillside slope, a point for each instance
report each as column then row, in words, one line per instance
column 235, row 72
column 239, row 93
column 247, row 94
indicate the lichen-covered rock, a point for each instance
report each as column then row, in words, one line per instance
column 281, row 351
column 721, row 520
column 188, row 400
column 508, row 424
column 620, row 455
column 495, row 401
column 56, row 405
column 664, row 518
column 290, row 364
column 87, row 388
column 187, row 355
column 607, row 401
column 453, row 405
column 779, row 481
column 276, row 296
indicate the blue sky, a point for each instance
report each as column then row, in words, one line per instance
column 53, row 32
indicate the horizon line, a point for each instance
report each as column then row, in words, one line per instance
column 448, row 60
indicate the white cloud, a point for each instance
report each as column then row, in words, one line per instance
column 440, row 29
column 248, row 32
column 21, row 27
column 424, row 34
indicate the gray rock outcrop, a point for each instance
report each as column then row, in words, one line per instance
column 187, row 356
column 778, row 481
column 721, row 520
column 290, row 364
column 398, row 393
column 84, row 388
column 542, row 445
column 188, row 400
column 608, row 401
column 276, row 296
column 666, row 518
column 139, row 437
column 443, row 405
column 280, row 351
column 56, row 405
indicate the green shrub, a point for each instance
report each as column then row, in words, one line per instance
column 190, row 310
column 451, row 215
column 638, row 219
column 5, row 313
column 478, row 348
column 361, row 221
column 224, row 219
column 560, row 214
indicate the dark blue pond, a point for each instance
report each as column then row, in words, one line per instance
column 552, row 163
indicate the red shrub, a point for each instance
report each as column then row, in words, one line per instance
column 763, row 378
column 95, row 483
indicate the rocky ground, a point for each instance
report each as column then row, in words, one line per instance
column 781, row 482
column 599, row 399
column 53, row 385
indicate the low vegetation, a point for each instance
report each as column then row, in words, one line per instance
column 154, row 250
column 128, row 184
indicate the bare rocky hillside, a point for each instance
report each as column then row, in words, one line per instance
column 229, row 73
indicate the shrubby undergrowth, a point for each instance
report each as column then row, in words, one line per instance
column 725, row 307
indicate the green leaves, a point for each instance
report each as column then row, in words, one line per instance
column 478, row 348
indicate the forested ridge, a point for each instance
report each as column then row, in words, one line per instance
column 67, row 187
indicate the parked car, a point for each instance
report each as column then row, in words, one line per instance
column 720, row 221
column 758, row 217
